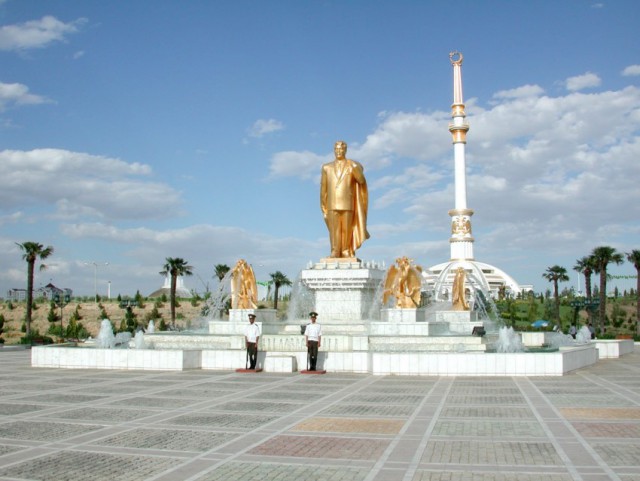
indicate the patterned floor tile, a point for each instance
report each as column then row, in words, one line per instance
column 322, row 447
column 346, row 425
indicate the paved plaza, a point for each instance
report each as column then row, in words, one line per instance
column 89, row 425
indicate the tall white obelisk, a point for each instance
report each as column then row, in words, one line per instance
column 461, row 239
column 480, row 276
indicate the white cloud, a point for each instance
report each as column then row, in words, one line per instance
column 263, row 127
column 72, row 184
column 304, row 165
column 631, row 71
column 520, row 92
column 11, row 218
column 584, row 81
column 17, row 94
column 36, row 33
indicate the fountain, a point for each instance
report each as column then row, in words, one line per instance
column 508, row 341
column 106, row 339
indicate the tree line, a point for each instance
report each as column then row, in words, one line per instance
column 596, row 263
column 174, row 267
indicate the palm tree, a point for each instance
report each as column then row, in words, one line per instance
column 278, row 279
column 32, row 250
column 634, row 258
column 602, row 257
column 175, row 267
column 584, row 266
column 556, row 274
column 221, row 271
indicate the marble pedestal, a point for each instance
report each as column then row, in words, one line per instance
column 343, row 289
column 398, row 315
column 242, row 315
column 460, row 322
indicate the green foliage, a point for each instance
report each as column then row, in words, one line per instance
column 139, row 299
column 76, row 314
column 52, row 317
column 130, row 320
column 549, row 310
column 34, row 337
column 10, row 305
column 618, row 315
column 163, row 298
column 162, row 326
column 55, row 330
column 195, row 299
column 152, row 316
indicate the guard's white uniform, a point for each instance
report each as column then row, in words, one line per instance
column 252, row 332
column 313, row 331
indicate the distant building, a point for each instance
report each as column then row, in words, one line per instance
column 50, row 291
column 17, row 295
column 47, row 292
column 181, row 291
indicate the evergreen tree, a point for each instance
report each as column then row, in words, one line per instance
column 130, row 320
column 52, row 317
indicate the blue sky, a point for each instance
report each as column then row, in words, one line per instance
column 135, row 131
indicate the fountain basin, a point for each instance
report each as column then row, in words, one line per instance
column 613, row 348
column 565, row 360
column 74, row 357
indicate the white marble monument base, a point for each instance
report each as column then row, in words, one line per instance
column 242, row 315
column 342, row 291
column 460, row 322
column 399, row 315
column 280, row 364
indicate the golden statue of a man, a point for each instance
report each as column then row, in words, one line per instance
column 244, row 292
column 459, row 298
column 344, row 201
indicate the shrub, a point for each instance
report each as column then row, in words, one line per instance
column 35, row 338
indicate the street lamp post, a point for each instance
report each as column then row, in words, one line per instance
column 95, row 275
column 61, row 302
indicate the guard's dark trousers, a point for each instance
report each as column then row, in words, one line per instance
column 313, row 354
column 252, row 350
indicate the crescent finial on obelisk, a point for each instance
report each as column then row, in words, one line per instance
column 454, row 60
